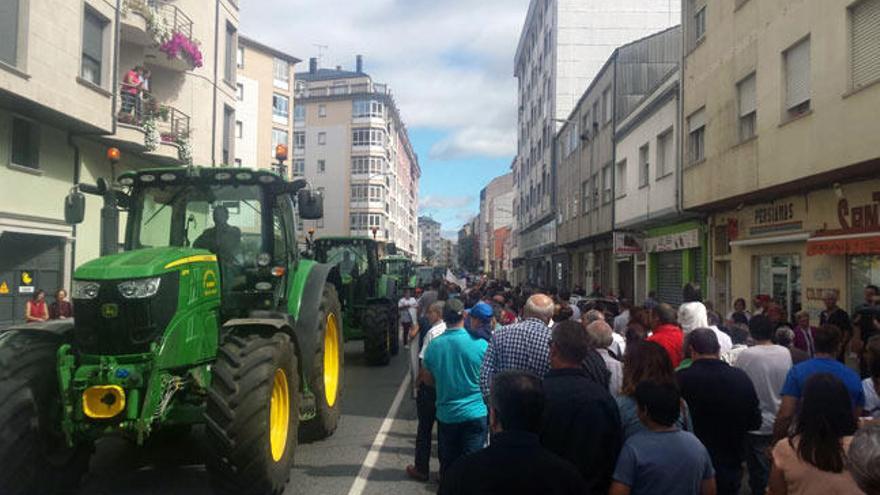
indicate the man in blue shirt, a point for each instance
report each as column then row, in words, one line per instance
column 453, row 362
column 827, row 341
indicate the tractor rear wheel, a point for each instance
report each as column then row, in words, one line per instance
column 252, row 415
column 327, row 370
column 377, row 337
column 33, row 450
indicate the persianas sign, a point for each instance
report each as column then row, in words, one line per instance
column 859, row 231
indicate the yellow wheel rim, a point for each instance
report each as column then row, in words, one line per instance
column 331, row 360
column 279, row 415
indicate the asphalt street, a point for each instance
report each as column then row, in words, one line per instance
column 352, row 461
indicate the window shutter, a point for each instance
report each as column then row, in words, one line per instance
column 93, row 36
column 797, row 71
column 697, row 120
column 747, row 98
column 865, row 42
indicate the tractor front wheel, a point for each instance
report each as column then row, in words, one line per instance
column 377, row 335
column 33, row 450
column 327, row 370
column 252, row 415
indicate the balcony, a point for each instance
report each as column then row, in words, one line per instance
column 162, row 31
column 344, row 89
column 144, row 125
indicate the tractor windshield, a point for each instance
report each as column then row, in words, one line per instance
column 352, row 259
column 225, row 220
column 396, row 267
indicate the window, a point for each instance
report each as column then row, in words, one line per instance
column 239, row 92
column 231, row 54
column 299, row 167
column 585, row 196
column 606, row 184
column 620, row 183
column 281, row 72
column 696, row 136
column 367, row 108
column 368, row 137
column 9, row 16
column 280, row 108
column 239, row 59
column 299, row 140
column 279, row 137
column 322, row 138
column 607, row 104
column 366, row 192
column 594, row 190
column 797, row 78
column 747, row 107
column 596, row 115
column 665, row 154
column 864, row 40
column 228, row 133
column 700, row 24
column 299, row 113
column 25, row 143
column 322, row 166
column 644, row 165
column 322, row 111
column 238, row 129
column 92, row 47
column 367, row 165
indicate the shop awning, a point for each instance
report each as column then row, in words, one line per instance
column 840, row 245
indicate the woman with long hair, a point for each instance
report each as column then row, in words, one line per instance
column 812, row 459
column 35, row 309
column 645, row 361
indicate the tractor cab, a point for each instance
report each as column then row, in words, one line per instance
column 399, row 268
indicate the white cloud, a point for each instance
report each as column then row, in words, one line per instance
column 449, row 63
column 444, row 202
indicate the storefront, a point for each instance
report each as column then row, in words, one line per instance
column 629, row 257
column 800, row 248
column 675, row 257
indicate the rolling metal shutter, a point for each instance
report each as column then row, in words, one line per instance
column 669, row 282
column 797, row 74
column 865, row 42
column 42, row 257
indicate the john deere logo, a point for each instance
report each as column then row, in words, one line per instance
column 209, row 283
column 110, row 310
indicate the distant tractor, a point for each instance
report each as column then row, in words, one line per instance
column 399, row 268
column 208, row 316
column 424, row 275
column 369, row 297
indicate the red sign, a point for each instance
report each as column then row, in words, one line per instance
column 860, row 245
column 860, row 218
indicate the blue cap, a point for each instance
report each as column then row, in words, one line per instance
column 482, row 311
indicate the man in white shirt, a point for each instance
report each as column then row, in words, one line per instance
column 426, row 398
column 767, row 365
column 407, row 306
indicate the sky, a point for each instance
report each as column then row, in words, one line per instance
column 449, row 64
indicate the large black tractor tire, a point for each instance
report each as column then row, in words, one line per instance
column 377, row 338
column 394, row 328
column 251, row 379
column 328, row 370
column 33, row 452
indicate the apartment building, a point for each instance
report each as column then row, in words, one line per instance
column 65, row 98
column 350, row 141
column 496, row 211
column 429, row 235
column 562, row 46
column 264, row 106
column 447, row 256
column 780, row 106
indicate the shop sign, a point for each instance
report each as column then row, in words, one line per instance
column 775, row 218
column 859, row 218
column 26, row 282
column 628, row 243
column 688, row 239
column 856, row 235
column 840, row 247
column 819, row 294
column 4, row 288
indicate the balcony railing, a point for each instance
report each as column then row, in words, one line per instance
column 346, row 89
column 141, row 109
column 169, row 15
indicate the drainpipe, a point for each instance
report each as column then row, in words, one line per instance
column 613, row 173
column 216, row 63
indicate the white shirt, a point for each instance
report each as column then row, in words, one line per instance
column 616, row 369
column 407, row 306
column 618, row 345
column 620, row 322
column 872, row 400
column 767, row 367
column 432, row 334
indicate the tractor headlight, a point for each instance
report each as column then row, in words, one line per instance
column 83, row 289
column 139, row 289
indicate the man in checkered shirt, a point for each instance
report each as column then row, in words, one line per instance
column 521, row 346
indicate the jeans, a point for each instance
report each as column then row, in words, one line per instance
column 427, row 411
column 728, row 478
column 459, row 439
column 758, row 462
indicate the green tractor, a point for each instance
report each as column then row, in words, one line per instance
column 369, row 297
column 209, row 316
column 399, row 268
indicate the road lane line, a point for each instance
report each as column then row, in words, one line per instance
column 360, row 483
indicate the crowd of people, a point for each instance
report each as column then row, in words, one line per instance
column 554, row 392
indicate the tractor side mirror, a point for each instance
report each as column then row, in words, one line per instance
column 310, row 203
column 74, row 208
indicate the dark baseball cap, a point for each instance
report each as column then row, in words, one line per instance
column 453, row 310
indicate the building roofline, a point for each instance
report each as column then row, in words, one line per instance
column 242, row 39
column 522, row 34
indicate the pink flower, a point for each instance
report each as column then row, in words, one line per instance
column 180, row 46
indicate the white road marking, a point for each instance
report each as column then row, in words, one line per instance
column 360, row 483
